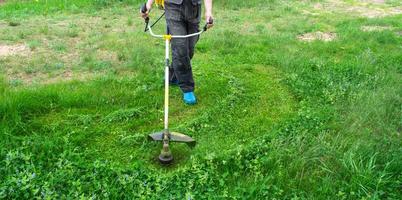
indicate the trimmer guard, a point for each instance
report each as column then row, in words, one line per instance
column 173, row 137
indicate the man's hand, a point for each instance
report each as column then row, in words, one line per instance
column 210, row 19
column 148, row 5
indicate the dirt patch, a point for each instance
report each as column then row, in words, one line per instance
column 373, row 12
column 68, row 75
column 375, row 28
column 322, row 36
column 107, row 55
column 3, row 24
column 11, row 50
column 44, row 78
column 63, row 76
column 362, row 8
column 373, row 1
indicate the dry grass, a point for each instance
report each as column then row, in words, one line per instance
column 58, row 77
column 375, row 28
column 15, row 49
column 363, row 8
column 322, row 36
column 40, row 42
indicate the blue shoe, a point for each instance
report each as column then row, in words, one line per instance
column 189, row 98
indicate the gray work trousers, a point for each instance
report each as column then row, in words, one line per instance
column 183, row 19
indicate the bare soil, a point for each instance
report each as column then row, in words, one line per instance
column 374, row 1
column 375, row 28
column 363, row 8
column 10, row 50
column 323, row 36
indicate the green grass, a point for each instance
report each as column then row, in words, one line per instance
column 277, row 118
column 27, row 8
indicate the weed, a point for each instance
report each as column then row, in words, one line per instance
column 34, row 44
column 13, row 23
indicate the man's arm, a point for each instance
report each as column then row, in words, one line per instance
column 208, row 13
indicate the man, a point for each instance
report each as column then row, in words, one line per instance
column 183, row 17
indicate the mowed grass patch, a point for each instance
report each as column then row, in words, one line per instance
column 104, row 121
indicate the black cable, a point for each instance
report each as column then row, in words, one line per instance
column 146, row 29
column 158, row 20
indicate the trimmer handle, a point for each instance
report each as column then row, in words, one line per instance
column 211, row 21
column 143, row 10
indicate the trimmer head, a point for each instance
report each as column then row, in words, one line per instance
column 166, row 156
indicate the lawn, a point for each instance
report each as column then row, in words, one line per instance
column 296, row 100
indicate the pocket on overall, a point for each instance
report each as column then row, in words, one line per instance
column 195, row 17
column 173, row 11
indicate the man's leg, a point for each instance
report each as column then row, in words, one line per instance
column 172, row 76
column 192, row 28
column 181, row 55
column 193, row 15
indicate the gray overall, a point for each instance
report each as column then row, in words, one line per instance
column 182, row 18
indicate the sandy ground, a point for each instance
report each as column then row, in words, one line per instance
column 16, row 49
column 326, row 37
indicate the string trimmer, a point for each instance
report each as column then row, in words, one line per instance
column 166, row 136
